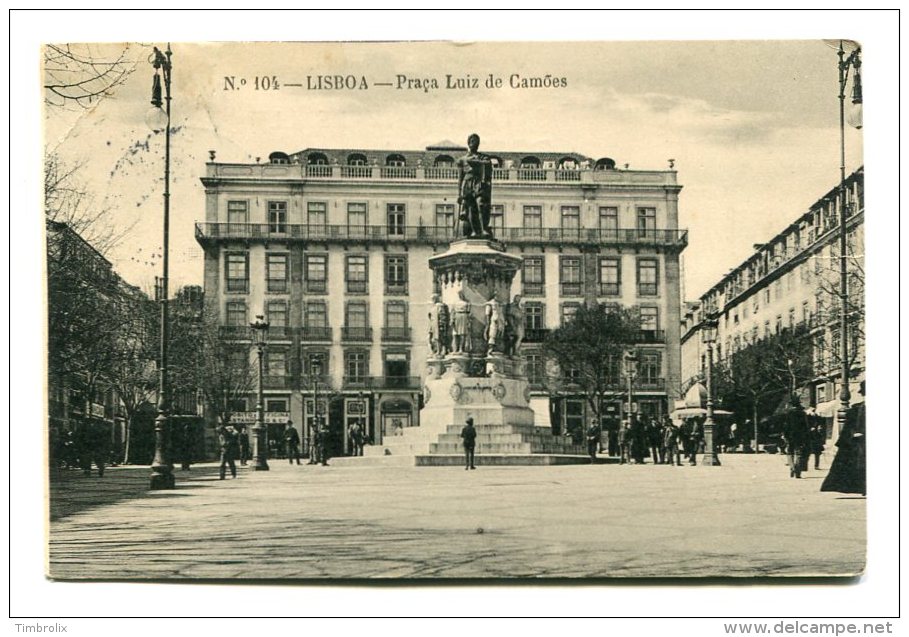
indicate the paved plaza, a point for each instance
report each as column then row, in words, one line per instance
column 746, row 518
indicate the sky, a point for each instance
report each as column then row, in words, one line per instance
column 752, row 126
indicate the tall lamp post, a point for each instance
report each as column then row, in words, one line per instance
column 259, row 329
column 849, row 54
column 158, row 119
column 631, row 370
column 709, row 327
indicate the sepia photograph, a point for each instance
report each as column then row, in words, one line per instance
column 451, row 311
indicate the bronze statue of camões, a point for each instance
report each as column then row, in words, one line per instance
column 474, row 192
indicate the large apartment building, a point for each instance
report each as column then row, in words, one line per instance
column 792, row 281
column 331, row 245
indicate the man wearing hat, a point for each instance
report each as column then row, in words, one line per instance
column 469, row 436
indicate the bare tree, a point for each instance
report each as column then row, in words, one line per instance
column 78, row 75
column 587, row 352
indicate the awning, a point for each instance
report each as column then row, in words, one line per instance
column 687, row 412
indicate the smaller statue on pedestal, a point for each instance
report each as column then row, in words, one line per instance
column 439, row 323
column 460, row 325
column 495, row 324
column 515, row 326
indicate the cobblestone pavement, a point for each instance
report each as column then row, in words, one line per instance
column 746, row 518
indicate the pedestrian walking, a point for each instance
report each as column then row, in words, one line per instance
column 654, row 440
column 469, row 436
column 797, row 436
column 292, row 443
column 93, row 446
column 624, row 442
column 817, row 435
column 229, row 439
column 355, row 436
column 847, row 471
column 671, row 443
column 187, row 441
column 243, row 444
column 322, row 446
column 593, row 439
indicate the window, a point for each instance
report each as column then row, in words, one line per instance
column 533, row 276
column 497, row 219
column 316, row 314
column 357, row 274
column 238, row 359
column 767, row 296
column 315, row 214
column 396, row 219
column 355, row 365
column 396, row 314
column 568, row 312
column 648, row 277
column 650, row 318
column 778, row 289
column 766, row 329
column 570, row 275
column 236, row 314
column 744, row 311
column 757, row 304
column 277, row 217
column 356, row 315
column 395, row 160
column 650, row 367
column 445, row 215
column 535, row 369
column 356, row 159
column 610, row 276
column 276, row 315
column 646, row 222
column 356, row 217
column 534, row 316
column 779, row 323
column 316, row 266
column 396, row 274
column 276, row 405
column 571, row 220
column 237, row 272
column 315, row 363
column 276, row 272
column 806, row 312
column 791, row 317
column 533, row 220
column 609, row 222
column 237, row 212
column 276, row 362
column 754, row 334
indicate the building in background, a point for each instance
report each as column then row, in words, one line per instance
column 331, row 245
column 792, row 283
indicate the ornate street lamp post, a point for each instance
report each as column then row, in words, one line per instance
column 711, row 459
column 158, row 119
column 260, row 450
column 849, row 54
column 631, row 370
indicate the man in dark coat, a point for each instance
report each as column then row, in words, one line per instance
column 469, row 436
column 292, row 442
column 817, row 435
column 593, row 439
column 624, row 440
column 186, row 445
column 243, row 443
column 671, row 443
column 847, row 472
column 228, row 437
column 94, row 446
column 797, row 437
column 654, row 440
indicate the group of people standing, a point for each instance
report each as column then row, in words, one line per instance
column 234, row 445
column 663, row 442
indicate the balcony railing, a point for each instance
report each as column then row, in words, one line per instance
column 213, row 231
column 570, row 289
column 533, row 289
column 357, row 287
column 318, row 171
column 535, row 335
column 273, row 381
column 609, row 289
column 649, row 383
column 356, row 334
column 651, row 336
column 234, row 331
column 382, row 382
column 396, row 334
column 280, row 332
column 316, row 333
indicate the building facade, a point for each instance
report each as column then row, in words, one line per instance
column 792, row 282
column 331, row 245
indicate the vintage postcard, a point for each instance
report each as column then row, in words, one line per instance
column 448, row 311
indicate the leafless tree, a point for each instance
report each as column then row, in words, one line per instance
column 78, row 75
